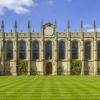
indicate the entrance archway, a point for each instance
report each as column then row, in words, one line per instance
column 48, row 68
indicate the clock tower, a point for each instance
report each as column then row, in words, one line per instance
column 49, row 29
column 49, row 33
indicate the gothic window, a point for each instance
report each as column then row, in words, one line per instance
column 61, row 50
column 22, row 50
column 98, row 50
column 87, row 51
column 74, row 50
column 48, row 50
column 9, row 50
column 35, row 50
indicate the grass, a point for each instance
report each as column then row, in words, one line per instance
column 49, row 88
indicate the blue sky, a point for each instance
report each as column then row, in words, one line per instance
column 49, row 11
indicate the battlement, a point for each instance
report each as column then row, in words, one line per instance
column 48, row 30
column 59, row 34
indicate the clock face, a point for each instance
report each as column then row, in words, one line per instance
column 48, row 31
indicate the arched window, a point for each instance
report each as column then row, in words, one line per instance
column 98, row 50
column 87, row 51
column 22, row 50
column 9, row 50
column 35, row 50
column 74, row 50
column 61, row 50
column 48, row 50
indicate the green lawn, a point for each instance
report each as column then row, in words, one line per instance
column 49, row 88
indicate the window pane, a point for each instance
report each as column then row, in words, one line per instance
column 98, row 50
column 9, row 50
column 87, row 51
column 22, row 50
column 75, row 50
column 61, row 50
column 48, row 50
column 35, row 50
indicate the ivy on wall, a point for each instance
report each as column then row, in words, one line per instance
column 33, row 72
column 98, row 70
column 59, row 70
column 76, row 67
column 22, row 67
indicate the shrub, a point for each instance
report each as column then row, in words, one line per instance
column 22, row 67
column 76, row 67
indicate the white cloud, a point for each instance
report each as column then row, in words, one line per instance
column 51, row 2
column 92, row 30
column 89, row 28
column 2, row 11
column 18, row 6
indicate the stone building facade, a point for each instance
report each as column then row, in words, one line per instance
column 48, row 51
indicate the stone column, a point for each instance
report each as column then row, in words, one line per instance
column 15, row 49
column 55, row 52
column 2, row 49
column 69, row 56
column 65, row 71
column 55, row 56
column 95, row 57
column 42, row 57
column 0, row 54
column 29, row 55
column 15, row 55
column 3, row 56
column 42, row 51
column 95, row 49
column 82, row 57
column 29, row 48
column 69, row 49
column 82, row 48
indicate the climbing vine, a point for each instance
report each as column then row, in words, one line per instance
column 22, row 67
column 76, row 67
